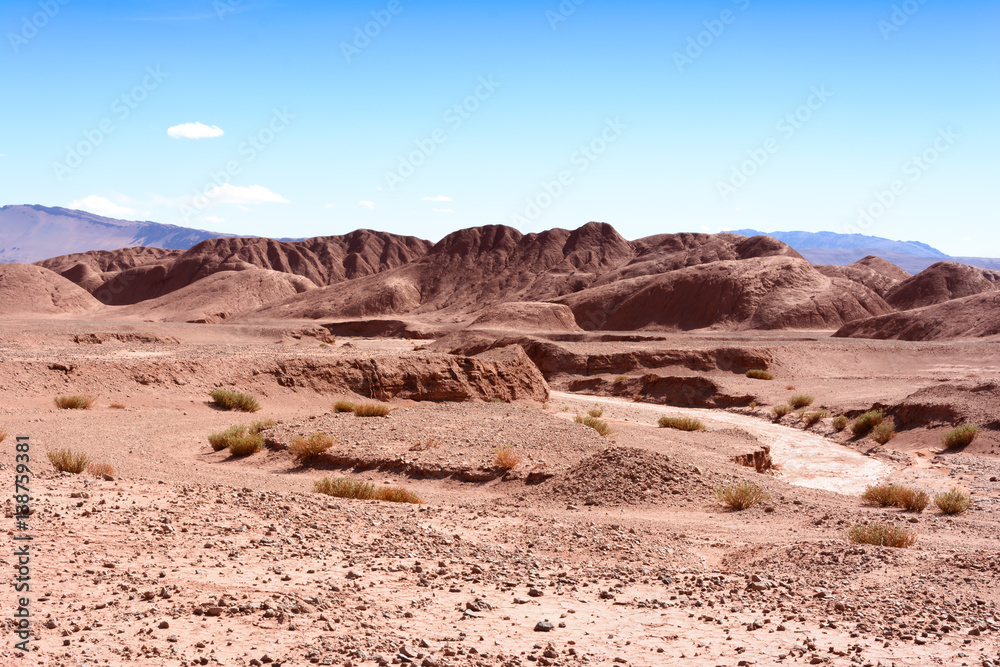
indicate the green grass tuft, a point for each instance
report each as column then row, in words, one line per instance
column 839, row 423
column 953, row 502
column 232, row 400
column 358, row 490
column 881, row 534
column 758, row 374
column 66, row 460
column 372, row 410
column 961, row 436
column 811, row 418
column 343, row 406
column 598, row 425
column 883, row 432
column 801, row 401
column 742, row 496
column 305, row 449
column 681, row 423
column 863, row 425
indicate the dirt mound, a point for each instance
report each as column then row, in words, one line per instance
column 476, row 268
column 627, row 476
column 942, row 282
column 975, row 316
column 554, row 359
column 219, row 296
column 323, row 260
column 951, row 405
column 758, row 293
column 527, row 316
column 379, row 328
column 26, row 289
column 873, row 272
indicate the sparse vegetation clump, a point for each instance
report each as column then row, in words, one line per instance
column 681, row 423
column 812, row 418
column 343, row 406
column 595, row 412
column 881, row 534
column 371, row 410
column 895, row 495
column 234, row 400
column 863, row 425
column 3, row 435
column 620, row 379
column 801, row 401
column 781, row 410
column 953, row 501
column 305, row 449
column 839, row 423
column 359, row 490
column 240, row 440
column 961, row 436
column 758, row 374
column 507, row 458
column 117, row 406
column 883, row 433
column 74, row 402
column 100, row 469
column 742, row 496
column 66, row 460
column 598, row 425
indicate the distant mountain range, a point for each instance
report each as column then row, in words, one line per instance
column 33, row 233
column 844, row 249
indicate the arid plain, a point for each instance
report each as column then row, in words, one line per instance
column 590, row 549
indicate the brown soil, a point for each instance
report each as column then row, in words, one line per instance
column 189, row 556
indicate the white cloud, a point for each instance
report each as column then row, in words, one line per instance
column 705, row 229
column 101, row 206
column 244, row 195
column 214, row 219
column 3, row 155
column 330, row 205
column 437, row 198
column 195, row 131
column 367, row 204
column 442, row 210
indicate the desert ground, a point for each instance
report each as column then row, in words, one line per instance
column 591, row 550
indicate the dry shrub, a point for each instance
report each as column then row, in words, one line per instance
column 882, row 535
column 840, row 422
column 232, row 400
column 961, row 436
column 781, row 410
column 372, row 410
column 74, row 402
column 3, row 435
column 790, row 387
column 953, row 502
column 66, row 460
column 863, row 425
column 758, row 374
column 621, row 379
column 239, row 440
column 308, row 448
column 117, row 406
column 595, row 412
column 260, row 425
column 340, row 487
column 100, row 469
column 812, row 418
column 742, row 496
column 884, row 432
column 358, row 490
column 895, row 495
column 497, row 400
column 343, row 406
column 681, row 423
column 801, row 401
column 636, row 397
column 598, row 425
column 507, row 458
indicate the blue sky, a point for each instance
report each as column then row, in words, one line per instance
column 654, row 116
